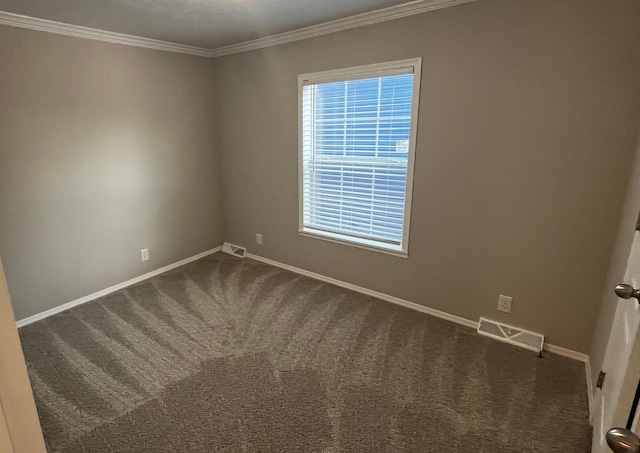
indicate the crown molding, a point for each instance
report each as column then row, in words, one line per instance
column 359, row 20
column 33, row 23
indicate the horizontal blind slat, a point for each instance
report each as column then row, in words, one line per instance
column 352, row 183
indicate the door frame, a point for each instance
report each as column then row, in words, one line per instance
column 20, row 430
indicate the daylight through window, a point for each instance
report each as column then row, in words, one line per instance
column 357, row 134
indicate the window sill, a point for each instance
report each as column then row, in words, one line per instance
column 339, row 239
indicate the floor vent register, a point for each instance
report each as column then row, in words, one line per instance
column 513, row 335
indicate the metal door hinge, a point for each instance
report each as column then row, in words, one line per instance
column 600, row 381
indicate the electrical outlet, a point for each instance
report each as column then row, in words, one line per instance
column 144, row 254
column 504, row 303
column 258, row 239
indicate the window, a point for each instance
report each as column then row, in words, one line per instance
column 357, row 146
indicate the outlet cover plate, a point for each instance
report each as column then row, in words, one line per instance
column 504, row 303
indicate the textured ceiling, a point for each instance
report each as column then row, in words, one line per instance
column 202, row 23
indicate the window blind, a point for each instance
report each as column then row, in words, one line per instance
column 355, row 152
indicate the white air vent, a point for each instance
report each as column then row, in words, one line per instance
column 512, row 335
column 234, row 250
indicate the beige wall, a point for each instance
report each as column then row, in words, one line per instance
column 528, row 123
column 104, row 150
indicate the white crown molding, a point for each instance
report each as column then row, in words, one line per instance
column 17, row 20
column 359, row 20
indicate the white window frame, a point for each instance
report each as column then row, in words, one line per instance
column 354, row 73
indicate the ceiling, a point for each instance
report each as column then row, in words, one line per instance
column 209, row 24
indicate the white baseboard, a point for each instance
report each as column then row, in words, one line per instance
column 412, row 305
column 386, row 297
column 112, row 289
column 579, row 356
column 570, row 353
column 368, row 292
column 587, row 369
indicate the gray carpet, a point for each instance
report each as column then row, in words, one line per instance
column 234, row 355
